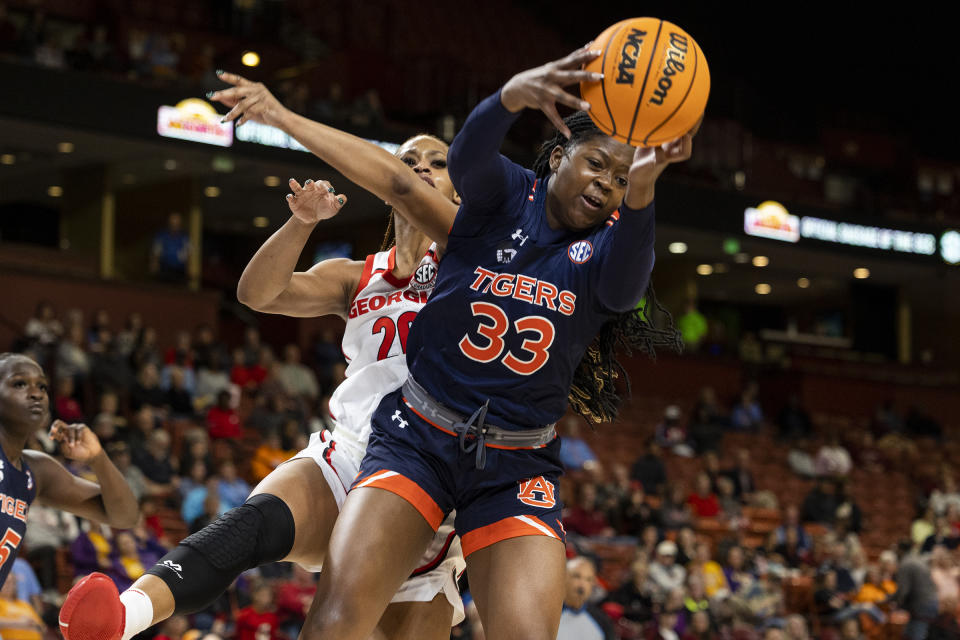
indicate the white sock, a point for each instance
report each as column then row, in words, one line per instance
column 138, row 612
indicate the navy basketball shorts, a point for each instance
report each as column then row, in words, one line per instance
column 514, row 495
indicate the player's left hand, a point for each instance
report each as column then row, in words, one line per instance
column 77, row 441
column 248, row 100
column 314, row 201
column 542, row 87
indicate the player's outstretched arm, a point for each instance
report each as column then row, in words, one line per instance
column 270, row 282
column 110, row 502
column 361, row 162
column 484, row 178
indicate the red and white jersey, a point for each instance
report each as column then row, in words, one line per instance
column 374, row 343
column 385, row 307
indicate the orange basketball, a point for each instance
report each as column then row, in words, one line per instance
column 655, row 85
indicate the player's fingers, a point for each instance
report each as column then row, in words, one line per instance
column 570, row 100
column 341, row 200
column 550, row 110
column 581, row 56
column 230, row 96
column 233, row 114
column 564, row 77
column 233, row 78
column 295, row 187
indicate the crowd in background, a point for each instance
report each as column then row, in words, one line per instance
column 195, row 424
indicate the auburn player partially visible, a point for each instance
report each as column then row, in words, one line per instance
column 27, row 475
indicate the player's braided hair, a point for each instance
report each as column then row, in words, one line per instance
column 593, row 393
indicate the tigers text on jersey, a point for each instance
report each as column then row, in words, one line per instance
column 374, row 343
column 17, row 491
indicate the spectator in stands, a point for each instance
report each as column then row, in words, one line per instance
column 143, row 423
column 700, row 627
column 796, row 628
column 178, row 394
column 709, row 572
column 636, row 513
column 110, row 369
column 675, row 511
column 838, row 562
column 119, row 453
column 848, row 511
column 127, row 339
column 730, row 508
column 665, row 573
column 820, row 505
column 692, row 325
column 146, row 351
column 874, row 589
column 196, row 447
column 850, row 630
column 634, row 595
column 649, row 469
column 575, row 453
column 614, row 493
column 833, row 460
column 259, row 621
column 741, row 473
column 294, row 597
column 72, row 360
column 48, row 529
column 686, row 546
column 171, row 250
column 945, row 495
column 943, row 534
column 704, row 430
column 663, row 627
column 211, row 380
column 157, row 463
column 128, row 565
column 694, row 599
column 580, row 619
column 791, row 520
column 66, row 406
column 671, row 435
column 247, row 377
column 586, row 518
column 43, row 328
column 916, row 592
column 735, row 570
column 298, row 380
column 833, row 608
column 945, row 575
column 18, row 619
column 202, row 505
column 747, row 414
column 703, row 501
column 252, row 345
column 233, row 489
column 649, row 539
column 222, row 419
column 789, row 548
column 92, row 548
column 146, row 390
column 793, row 423
column 923, row 526
column 268, row 456
column 761, row 601
column 707, row 402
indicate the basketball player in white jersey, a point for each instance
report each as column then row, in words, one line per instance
column 290, row 514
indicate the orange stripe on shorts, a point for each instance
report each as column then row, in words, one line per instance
column 408, row 490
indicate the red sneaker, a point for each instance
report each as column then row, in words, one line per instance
column 92, row 610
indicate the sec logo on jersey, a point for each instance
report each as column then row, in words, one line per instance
column 580, row 251
column 424, row 276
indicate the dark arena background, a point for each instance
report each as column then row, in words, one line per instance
column 764, row 483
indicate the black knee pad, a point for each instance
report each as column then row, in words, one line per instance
column 204, row 564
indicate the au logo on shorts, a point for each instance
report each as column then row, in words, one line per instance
column 580, row 251
column 537, row 492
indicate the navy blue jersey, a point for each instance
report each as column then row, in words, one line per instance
column 517, row 303
column 17, row 491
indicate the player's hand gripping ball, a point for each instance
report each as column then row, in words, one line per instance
column 655, row 86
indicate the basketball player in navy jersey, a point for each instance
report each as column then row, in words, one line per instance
column 27, row 475
column 536, row 265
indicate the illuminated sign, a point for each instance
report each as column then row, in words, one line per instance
column 771, row 220
column 272, row 137
column 950, row 247
column 195, row 120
